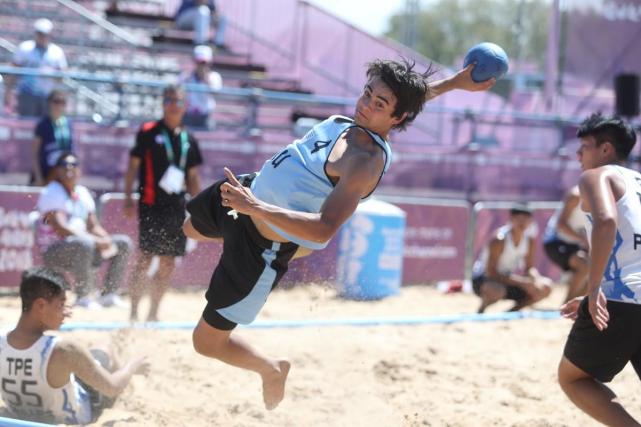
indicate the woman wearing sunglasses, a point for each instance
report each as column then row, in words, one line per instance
column 53, row 136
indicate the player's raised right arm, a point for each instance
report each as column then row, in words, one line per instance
column 461, row 80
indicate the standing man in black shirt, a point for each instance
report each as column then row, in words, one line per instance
column 166, row 157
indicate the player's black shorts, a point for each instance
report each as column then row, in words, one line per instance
column 160, row 229
column 560, row 252
column 603, row 354
column 513, row 293
column 249, row 267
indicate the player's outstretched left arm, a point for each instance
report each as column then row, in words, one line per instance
column 461, row 80
column 360, row 173
column 68, row 357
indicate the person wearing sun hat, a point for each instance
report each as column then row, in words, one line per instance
column 39, row 53
column 198, row 83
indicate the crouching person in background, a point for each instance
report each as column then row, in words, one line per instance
column 506, row 269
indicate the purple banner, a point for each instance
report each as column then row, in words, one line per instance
column 597, row 56
column 17, row 250
column 435, row 239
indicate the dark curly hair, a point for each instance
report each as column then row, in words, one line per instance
column 409, row 86
column 610, row 129
column 40, row 282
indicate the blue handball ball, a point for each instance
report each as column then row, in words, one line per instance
column 491, row 61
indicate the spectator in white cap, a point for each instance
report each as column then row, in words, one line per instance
column 198, row 83
column 41, row 54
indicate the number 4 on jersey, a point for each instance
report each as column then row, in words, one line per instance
column 278, row 159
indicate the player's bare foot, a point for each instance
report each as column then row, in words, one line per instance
column 274, row 385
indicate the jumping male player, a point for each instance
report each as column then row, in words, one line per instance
column 298, row 201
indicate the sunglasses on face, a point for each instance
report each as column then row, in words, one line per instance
column 176, row 101
column 69, row 165
column 59, row 101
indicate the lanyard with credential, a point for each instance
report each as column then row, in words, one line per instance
column 62, row 133
column 184, row 146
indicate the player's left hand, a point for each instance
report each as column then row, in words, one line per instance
column 235, row 196
column 597, row 304
column 463, row 80
column 570, row 310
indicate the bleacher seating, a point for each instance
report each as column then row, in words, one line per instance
column 101, row 53
column 432, row 153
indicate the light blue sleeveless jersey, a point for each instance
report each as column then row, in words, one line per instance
column 295, row 177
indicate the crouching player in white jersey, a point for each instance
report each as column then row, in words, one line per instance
column 606, row 334
column 298, row 200
column 48, row 379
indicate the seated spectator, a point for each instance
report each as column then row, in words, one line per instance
column 200, row 103
column 39, row 53
column 196, row 16
column 53, row 136
column 506, row 269
column 46, row 378
column 72, row 239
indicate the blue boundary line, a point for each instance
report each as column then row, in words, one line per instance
column 372, row 321
column 10, row 422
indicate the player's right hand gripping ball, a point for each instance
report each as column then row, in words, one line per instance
column 491, row 61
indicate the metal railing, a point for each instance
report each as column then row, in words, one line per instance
column 485, row 116
column 101, row 22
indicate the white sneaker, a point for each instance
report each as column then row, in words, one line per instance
column 88, row 303
column 111, row 300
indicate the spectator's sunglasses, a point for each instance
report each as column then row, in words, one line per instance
column 69, row 164
column 178, row 102
column 60, row 101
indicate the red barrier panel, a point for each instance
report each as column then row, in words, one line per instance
column 17, row 250
column 434, row 243
column 434, row 249
column 435, row 237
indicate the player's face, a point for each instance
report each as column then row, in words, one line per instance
column 521, row 222
column 55, row 311
column 375, row 107
column 590, row 154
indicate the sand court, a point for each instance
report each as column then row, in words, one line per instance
column 462, row 374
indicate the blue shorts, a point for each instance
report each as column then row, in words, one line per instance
column 249, row 267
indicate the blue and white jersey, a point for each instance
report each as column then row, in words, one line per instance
column 576, row 221
column 622, row 277
column 27, row 393
column 295, row 178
